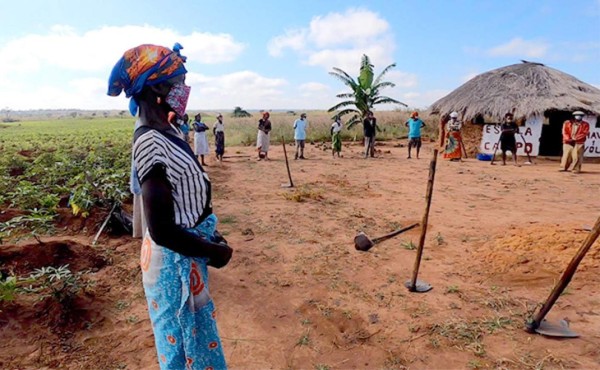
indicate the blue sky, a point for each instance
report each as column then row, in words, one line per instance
column 277, row 54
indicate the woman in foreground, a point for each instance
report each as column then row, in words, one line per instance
column 181, row 240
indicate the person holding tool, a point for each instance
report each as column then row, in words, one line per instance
column 507, row 138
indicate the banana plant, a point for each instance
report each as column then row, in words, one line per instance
column 365, row 92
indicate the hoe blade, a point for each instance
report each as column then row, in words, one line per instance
column 560, row 329
column 362, row 242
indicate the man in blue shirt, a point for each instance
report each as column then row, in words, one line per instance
column 414, row 125
column 300, row 135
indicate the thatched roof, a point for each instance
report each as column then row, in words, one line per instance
column 524, row 89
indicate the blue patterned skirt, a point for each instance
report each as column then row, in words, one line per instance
column 181, row 309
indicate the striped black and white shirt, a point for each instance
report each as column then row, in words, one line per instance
column 190, row 185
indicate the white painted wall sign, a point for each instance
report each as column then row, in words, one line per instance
column 592, row 144
column 531, row 131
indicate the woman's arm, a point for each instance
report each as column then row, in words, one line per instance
column 160, row 216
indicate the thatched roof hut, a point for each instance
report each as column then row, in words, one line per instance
column 527, row 90
column 524, row 89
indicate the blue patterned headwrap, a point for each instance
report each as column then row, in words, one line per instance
column 144, row 65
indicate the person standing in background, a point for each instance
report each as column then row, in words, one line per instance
column 574, row 134
column 336, row 137
column 263, row 139
column 369, row 129
column 507, row 138
column 414, row 125
column 219, row 132
column 453, row 149
column 185, row 127
column 200, row 140
column 300, row 135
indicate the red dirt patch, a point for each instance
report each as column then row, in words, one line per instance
column 21, row 260
column 537, row 253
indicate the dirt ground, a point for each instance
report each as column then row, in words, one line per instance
column 297, row 295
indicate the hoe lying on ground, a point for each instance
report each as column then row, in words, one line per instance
column 363, row 243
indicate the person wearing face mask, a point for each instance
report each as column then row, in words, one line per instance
column 181, row 239
column 507, row 138
column 200, row 140
column 574, row 134
column 453, row 149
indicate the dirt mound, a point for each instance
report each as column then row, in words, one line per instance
column 537, row 252
column 21, row 260
column 43, row 315
column 343, row 328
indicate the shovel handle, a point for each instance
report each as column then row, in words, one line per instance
column 430, row 181
column 525, row 147
column 287, row 164
column 394, row 233
column 565, row 278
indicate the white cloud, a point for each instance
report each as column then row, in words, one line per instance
column 517, row 47
column 313, row 87
column 423, row 99
column 402, row 79
column 64, row 68
column 99, row 49
column 293, row 39
column 244, row 88
column 339, row 40
column 86, row 93
column 354, row 27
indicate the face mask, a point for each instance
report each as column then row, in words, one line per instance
column 177, row 98
column 578, row 118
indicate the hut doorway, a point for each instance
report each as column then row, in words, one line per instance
column 551, row 139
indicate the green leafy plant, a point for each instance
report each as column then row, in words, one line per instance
column 409, row 245
column 8, row 289
column 364, row 94
column 59, row 283
column 36, row 223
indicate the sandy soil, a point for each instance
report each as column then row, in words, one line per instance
column 298, row 295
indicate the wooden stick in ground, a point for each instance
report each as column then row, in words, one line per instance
column 413, row 282
column 525, row 148
column 462, row 148
column 495, row 151
column 104, row 224
column 287, row 164
column 565, row 278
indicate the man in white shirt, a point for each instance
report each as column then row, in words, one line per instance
column 300, row 135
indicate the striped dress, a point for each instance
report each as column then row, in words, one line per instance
column 176, row 286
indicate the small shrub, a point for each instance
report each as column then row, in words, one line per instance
column 409, row 245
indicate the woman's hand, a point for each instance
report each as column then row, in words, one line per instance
column 220, row 255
